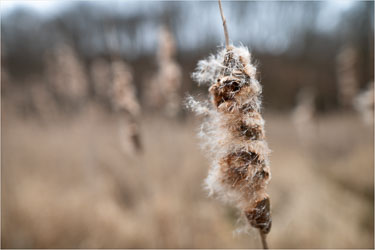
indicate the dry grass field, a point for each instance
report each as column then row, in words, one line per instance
column 97, row 151
column 71, row 183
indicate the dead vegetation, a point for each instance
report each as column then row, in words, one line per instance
column 68, row 184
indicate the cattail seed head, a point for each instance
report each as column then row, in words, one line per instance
column 123, row 91
column 163, row 91
column 124, row 101
column 234, row 133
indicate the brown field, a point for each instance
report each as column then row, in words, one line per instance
column 71, row 183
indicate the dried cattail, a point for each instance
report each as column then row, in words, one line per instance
column 129, row 135
column 165, row 85
column 124, row 101
column 123, row 91
column 346, row 75
column 364, row 104
column 167, row 45
column 234, row 133
column 66, row 75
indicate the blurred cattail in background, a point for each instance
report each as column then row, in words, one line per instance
column 163, row 92
column 364, row 104
column 350, row 95
column 66, row 75
column 125, row 103
column 122, row 91
column 303, row 115
column 347, row 79
column 114, row 85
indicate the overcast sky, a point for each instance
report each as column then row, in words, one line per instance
column 271, row 27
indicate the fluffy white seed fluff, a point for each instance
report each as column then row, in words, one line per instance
column 233, row 133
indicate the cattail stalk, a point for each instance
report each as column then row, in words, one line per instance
column 123, row 95
column 224, row 25
column 234, row 134
column 124, row 102
column 163, row 91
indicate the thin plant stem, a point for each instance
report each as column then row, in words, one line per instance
column 225, row 26
column 264, row 241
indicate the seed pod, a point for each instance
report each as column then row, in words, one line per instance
column 234, row 134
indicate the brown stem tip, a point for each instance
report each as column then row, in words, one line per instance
column 225, row 26
column 264, row 241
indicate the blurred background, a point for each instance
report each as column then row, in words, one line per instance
column 99, row 151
